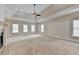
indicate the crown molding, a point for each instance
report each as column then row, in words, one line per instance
column 61, row 13
column 19, row 19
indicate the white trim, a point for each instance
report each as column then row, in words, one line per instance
column 61, row 13
column 60, row 37
column 21, row 19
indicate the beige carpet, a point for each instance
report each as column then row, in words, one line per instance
column 0, row 45
column 41, row 46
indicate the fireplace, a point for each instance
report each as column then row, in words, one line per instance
column 1, row 39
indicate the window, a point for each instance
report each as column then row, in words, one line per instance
column 32, row 28
column 25, row 28
column 42, row 28
column 76, row 28
column 15, row 28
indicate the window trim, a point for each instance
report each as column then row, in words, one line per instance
column 34, row 28
column 27, row 28
column 42, row 30
column 73, row 30
column 12, row 29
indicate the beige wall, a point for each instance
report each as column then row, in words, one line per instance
column 61, row 26
column 9, row 27
column 11, row 37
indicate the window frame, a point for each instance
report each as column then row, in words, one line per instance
column 13, row 29
column 34, row 30
column 42, row 30
column 74, row 28
column 27, row 28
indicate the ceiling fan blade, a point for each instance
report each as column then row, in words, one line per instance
column 38, row 15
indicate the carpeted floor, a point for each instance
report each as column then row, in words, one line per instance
column 0, row 46
column 41, row 46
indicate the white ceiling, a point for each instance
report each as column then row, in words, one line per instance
column 24, row 11
column 20, row 10
column 1, row 12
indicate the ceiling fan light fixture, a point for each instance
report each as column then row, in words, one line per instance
column 38, row 15
column 34, row 13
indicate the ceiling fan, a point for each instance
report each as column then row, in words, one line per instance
column 23, row 14
column 35, row 13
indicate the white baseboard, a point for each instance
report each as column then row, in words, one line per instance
column 60, row 37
